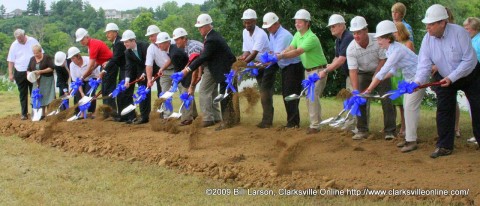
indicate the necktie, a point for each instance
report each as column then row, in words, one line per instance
column 136, row 53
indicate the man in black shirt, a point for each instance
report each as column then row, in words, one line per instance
column 63, row 74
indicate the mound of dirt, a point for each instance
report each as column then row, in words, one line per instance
column 268, row 158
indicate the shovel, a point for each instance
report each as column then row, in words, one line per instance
column 333, row 119
column 220, row 97
column 340, row 121
column 178, row 114
column 295, row 96
column 132, row 107
column 37, row 114
column 371, row 96
column 75, row 117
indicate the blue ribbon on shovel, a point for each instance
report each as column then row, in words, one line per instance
column 93, row 85
column 229, row 80
column 186, row 99
column 250, row 70
column 141, row 94
column 84, row 109
column 120, row 88
column 65, row 103
column 36, row 96
column 75, row 86
column 268, row 58
column 176, row 78
column 403, row 88
column 309, row 84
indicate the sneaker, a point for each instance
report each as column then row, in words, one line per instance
column 440, row 152
column 312, row 131
column 389, row 137
column 360, row 135
column 402, row 143
column 409, row 146
column 472, row 140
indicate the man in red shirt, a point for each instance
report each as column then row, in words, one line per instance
column 99, row 54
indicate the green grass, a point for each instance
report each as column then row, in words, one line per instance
column 33, row 174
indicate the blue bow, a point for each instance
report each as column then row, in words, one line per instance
column 120, row 88
column 403, row 88
column 176, row 78
column 251, row 71
column 187, row 100
column 93, row 85
column 168, row 102
column 348, row 103
column 268, row 58
column 75, row 85
column 309, row 84
column 353, row 103
column 36, row 96
column 141, row 94
column 84, row 109
column 65, row 103
column 229, row 80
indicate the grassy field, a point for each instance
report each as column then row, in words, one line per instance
column 33, row 174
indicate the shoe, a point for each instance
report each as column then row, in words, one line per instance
column 472, row 140
column 360, row 135
column 409, row 146
column 402, row 143
column 457, row 133
column 141, row 121
column 131, row 121
column 292, row 126
column 222, row 127
column 312, row 131
column 389, row 137
column 24, row 117
column 217, row 121
column 263, row 125
column 440, row 152
column 208, row 123
column 186, row 122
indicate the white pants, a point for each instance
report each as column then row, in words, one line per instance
column 411, row 105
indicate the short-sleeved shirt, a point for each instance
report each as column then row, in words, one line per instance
column 399, row 57
column 258, row 41
column 99, row 51
column 20, row 54
column 365, row 59
column 313, row 53
column 279, row 41
column 476, row 45
column 78, row 71
column 341, row 48
column 157, row 56
column 409, row 28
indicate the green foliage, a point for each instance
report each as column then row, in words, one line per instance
column 140, row 24
column 5, row 42
column 6, row 85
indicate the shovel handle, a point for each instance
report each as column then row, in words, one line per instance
column 430, row 84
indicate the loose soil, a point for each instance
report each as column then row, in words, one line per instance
column 266, row 158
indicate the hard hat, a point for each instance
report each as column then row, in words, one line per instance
column 302, row 14
column 179, row 32
column 162, row 37
column 357, row 23
column 385, row 27
column 249, row 14
column 335, row 19
column 80, row 34
column 127, row 35
column 152, row 29
column 32, row 77
column 72, row 51
column 435, row 13
column 203, row 19
column 111, row 27
column 60, row 58
column 269, row 19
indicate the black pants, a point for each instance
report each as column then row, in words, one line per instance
column 229, row 116
column 292, row 76
column 266, row 81
column 446, row 104
column 62, row 87
column 109, row 83
column 146, row 104
column 24, row 88
column 77, row 97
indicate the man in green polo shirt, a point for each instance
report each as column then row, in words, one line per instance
column 307, row 45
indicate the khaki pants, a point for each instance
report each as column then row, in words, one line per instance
column 208, row 91
column 191, row 113
column 314, row 108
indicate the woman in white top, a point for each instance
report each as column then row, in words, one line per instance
column 400, row 57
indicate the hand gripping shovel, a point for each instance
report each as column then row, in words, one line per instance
column 295, row 96
column 132, row 107
column 85, row 100
column 333, row 119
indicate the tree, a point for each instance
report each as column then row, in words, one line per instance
column 2, row 11
column 42, row 7
column 5, row 41
column 140, row 24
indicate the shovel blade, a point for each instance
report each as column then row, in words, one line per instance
column 84, row 100
column 37, row 114
column 73, row 118
column 327, row 121
column 167, row 95
column 128, row 109
column 175, row 115
column 292, row 97
column 219, row 98
column 53, row 112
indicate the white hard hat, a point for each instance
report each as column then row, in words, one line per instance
column 127, row 35
column 72, row 51
column 179, row 32
column 269, row 19
column 302, row 14
column 385, row 27
column 335, row 19
column 80, row 33
column 203, row 19
column 32, row 77
column 435, row 13
column 358, row 23
column 162, row 37
column 249, row 14
column 60, row 58
column 152, row 29
column 111, row 27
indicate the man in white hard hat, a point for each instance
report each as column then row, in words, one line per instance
column 291, row 69
column 306, row 45
column 155, row 59
column 63, row 74
column 448, row 46
column 135, row 55
column 220, row 59
column 78, row 67
column 365, row 58
column 117, row 65
column 255, row 42
column 19, row 56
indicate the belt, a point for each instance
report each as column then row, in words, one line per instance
column 315, row 68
